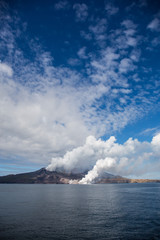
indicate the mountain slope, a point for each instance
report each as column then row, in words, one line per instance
column 41, row 176
column 44, row 176
column 54, row 177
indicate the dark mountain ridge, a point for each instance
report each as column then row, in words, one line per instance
column 41, row 176
column 55, row 177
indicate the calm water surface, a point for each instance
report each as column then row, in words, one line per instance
column 111, row 211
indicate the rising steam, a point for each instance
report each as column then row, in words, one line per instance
column 97, row 156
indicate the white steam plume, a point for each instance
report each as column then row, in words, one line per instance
column 131, row 158
column 100, row 166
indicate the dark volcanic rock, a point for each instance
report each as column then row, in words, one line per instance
column 41, row 176
column 54, row 177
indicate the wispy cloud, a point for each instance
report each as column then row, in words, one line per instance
column 126, row 36
column 111, row 9
column 86, row 35
column 153, row 131
column 126, row 65
column 48, row 109
column 155, row 42
column 98, row 30
column 154, row 25
column 82, row 53
column 81, row 11
column 74, row 61
column 61, row 5
column 143, row 3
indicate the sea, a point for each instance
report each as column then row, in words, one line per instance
column 91, row 212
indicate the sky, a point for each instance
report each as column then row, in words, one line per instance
column 80, row 77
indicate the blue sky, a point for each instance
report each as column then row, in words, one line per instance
column 71, row 69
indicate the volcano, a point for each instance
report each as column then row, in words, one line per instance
column 43, row 176
column 55, row 177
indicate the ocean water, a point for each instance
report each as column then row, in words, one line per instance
column 108, row 211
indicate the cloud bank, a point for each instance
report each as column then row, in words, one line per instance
column 101, row 82
column 131, row 158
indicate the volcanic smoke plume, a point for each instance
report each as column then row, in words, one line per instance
column 97, row 156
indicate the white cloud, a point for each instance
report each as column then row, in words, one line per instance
column 44, row 119
column 61, row 5
column 156, row 140
column 74, row 61
column 154, row 25
column 81, row 11
column 104, row 67
column 38, row 125
column 82, row 53
column 46, row 110
column 126, row 36
column 87, row 36
column 111, row 9
column 48, row 113
column 126, row 65
column 150, row 131
column 129, row 24
column 131, row 158
column 135, row 55
column 5, row 69
column 155, row 42
column 99, row 30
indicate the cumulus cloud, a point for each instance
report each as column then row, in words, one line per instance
column 131, row 158
column 156, row 140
